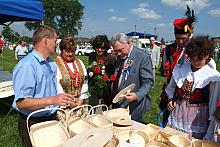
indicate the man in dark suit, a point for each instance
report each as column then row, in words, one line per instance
column 133, row 65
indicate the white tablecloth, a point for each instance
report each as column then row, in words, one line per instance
column 6, row 89
column 6, row 94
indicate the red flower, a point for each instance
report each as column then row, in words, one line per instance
column 97, row 70
column 196, row 94
column 112, row 78
column 218, row 104
column 105, row 78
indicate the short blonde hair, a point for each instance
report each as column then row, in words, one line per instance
column 41, row 32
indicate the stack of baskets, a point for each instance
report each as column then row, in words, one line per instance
column 56, row 133
column 106, row 130
column 122, row 129
column 159, row 137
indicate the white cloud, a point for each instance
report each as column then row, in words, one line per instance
column 197, row 5
column 171, row 2
column 117, row 19
column 143, row 5
column 157, row 25
column 111, row 10
column 215, row 12
column 145, row 13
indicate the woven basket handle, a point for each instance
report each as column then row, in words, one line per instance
column 38, row 111
column 92, row 110
column 78, row 107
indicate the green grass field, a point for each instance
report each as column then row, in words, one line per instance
column 8, row 124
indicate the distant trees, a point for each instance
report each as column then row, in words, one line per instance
column 63, row 15
column 8, row 33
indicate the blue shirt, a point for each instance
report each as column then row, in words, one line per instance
column 34, row 77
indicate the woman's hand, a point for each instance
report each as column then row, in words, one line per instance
column 171, row 105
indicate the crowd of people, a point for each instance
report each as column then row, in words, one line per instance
column 190, row 96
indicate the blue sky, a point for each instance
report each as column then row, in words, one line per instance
column 109, row 17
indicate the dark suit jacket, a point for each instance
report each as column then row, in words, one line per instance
column 142, row 76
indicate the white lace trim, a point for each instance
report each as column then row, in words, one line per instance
column 201, row 78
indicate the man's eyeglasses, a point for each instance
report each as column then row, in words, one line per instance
column 120, row 49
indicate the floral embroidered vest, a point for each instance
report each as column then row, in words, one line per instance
column 198, row 96
column 71, row 84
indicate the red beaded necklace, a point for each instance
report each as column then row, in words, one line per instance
column 75, row 76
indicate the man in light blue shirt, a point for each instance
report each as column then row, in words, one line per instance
column 34, row 81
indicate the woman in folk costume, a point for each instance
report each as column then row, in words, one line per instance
column 71, row 73
column 191, row 90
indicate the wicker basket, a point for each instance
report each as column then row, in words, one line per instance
column 100, row 121
column 152, row 131
column 96, row 137
column 122, row 132
column 113, row 142
column 139, row 138
column 98, row 109
column 204, row 143
column 179, row 141
column 118, row 113
column 156, row 144
column 78, row 125
column 79, row 111
column 44, row 135
column 167, row 132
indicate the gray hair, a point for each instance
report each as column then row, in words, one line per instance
column 120, row 37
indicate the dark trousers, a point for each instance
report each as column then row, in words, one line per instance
column 22, row 127
column 162, row 106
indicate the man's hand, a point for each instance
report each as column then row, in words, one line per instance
column 131, row 96
column 63, row 99
column 171, row 105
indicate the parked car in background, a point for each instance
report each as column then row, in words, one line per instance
column 141, row 43
column 82, row 50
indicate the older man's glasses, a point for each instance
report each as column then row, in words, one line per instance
column 120, row 49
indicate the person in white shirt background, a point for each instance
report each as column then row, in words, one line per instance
column 154, row 52
column 21, row 50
